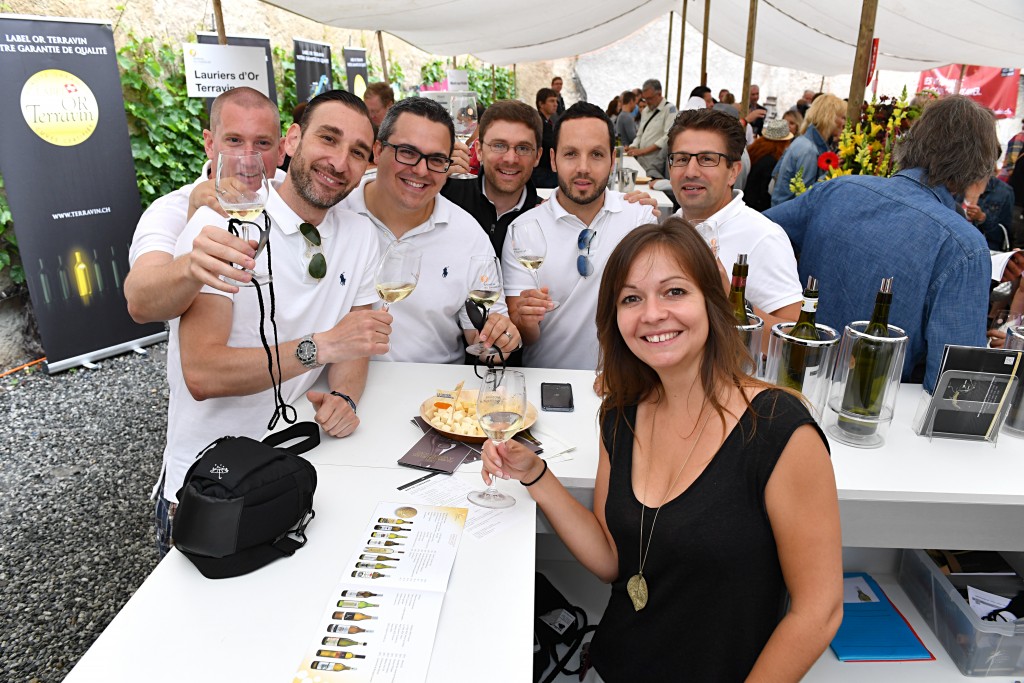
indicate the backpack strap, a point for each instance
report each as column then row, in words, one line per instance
column 309, row 432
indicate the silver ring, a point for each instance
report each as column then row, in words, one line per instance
column 508, row 334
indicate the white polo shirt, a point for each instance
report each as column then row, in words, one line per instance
column 304, row 306
column 429, row 324
column 163, row 221
column 568, row 334
column 772, row 281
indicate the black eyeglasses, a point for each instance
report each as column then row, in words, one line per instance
column 707, row 159
column 317, row 264
column 502, row 147
column 410, row 156
column 583, row 265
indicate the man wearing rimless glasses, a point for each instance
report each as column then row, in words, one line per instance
column 582, row 224
column 321, row 264
column 413, row 154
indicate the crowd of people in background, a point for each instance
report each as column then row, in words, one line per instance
column 635, row 296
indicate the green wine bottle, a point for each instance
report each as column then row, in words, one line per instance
column 361, row 604
column 738, row 291
column 334, row 641
column 799, row 362
column 869, row 369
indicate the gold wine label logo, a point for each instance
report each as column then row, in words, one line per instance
column 59, row 107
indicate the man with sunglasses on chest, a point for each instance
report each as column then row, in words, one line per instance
column 582, row 224
column 705, row 146
column 413, row 154
column 321, row 261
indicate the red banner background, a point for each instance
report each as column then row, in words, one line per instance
column 989, row 86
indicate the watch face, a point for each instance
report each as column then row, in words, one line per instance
column 306, row 352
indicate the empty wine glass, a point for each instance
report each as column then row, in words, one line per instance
column 484, row 290
column 397, row 273
column 242, row 190
column 464, row 115
column 500, row 409
column 530, row 248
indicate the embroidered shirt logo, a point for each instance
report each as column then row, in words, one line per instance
column 219, row 470
column 342, row 280
column 444, row 273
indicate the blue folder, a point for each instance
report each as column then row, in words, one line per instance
column 873, row 629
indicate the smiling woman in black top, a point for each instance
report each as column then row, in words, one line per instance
column 714, row 499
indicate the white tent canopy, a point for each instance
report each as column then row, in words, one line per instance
column 817, row 36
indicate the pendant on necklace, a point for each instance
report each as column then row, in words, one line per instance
column 636, row 587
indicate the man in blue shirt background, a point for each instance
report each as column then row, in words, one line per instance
column 853, row 231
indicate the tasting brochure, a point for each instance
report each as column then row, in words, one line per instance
column 380, row 620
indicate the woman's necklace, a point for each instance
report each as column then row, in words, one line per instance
column 636, row 587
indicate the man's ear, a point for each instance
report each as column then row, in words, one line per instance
column 291, row 140
column 208, row 145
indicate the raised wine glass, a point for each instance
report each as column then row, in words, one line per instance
column 397, row 273
column 484, row 290
column 464, row 115
column 530, row 248
column 242, row 190
column 500, row 409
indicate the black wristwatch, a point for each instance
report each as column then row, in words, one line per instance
column 306, row 352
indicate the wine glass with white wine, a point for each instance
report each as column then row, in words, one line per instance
column 500, row 409
column 397, row 273
column 242, row 190
column 484, row 290
column 530, row 247
column 464, row 116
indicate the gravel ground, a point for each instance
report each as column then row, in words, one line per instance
column 79, row 453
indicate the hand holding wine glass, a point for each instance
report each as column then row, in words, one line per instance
column 484, row 290
column 397, row 273
column 242, row 190
column 464, row 116
column 500, row 409
column 530, row 248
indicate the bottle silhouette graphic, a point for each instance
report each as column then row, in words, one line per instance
column 99, row 273
column 82, row 277
column 114, row 267
column 44, row 281
column 63, row 277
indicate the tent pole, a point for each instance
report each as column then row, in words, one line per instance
column 959, row 79
column 682, row 45
column 218, row 15
column 383, row 56
column 748, row 60
column 704, row 47
column 668, row 52
column 859, row 79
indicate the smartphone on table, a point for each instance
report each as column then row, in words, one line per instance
column 556, row 397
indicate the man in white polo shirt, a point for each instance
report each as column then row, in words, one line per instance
column 159, row 286
column 705, row 147
column 582, row 224
column 323, row 260
column 412, row 152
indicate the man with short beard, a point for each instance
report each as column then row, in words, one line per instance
column 323, row 260
column 582, row 223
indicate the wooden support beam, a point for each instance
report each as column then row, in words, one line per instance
column 218, row 16
column 668, row 52
column 959, row 80
column 748, row 60
column 383, row 56
column 682, row 47
column 704, row 46
column 859, row 78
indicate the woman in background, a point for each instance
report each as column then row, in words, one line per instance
column 824, row 122
column 714, row 496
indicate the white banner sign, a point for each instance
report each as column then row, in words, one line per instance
column 213, row 69
column 458, row 79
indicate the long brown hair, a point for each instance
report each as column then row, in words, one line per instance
column 627, row 379
column 762, row 147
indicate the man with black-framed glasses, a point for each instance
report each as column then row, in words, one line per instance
column 582, row 224
column 413, row 154
column 705, row 147
column 320, row 261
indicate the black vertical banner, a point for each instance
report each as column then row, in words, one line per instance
column 245, row 41
column 355, row 70
column 67, row 164
column 312, row 69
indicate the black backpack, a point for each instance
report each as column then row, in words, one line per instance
column 246, row 503
column 556, row 622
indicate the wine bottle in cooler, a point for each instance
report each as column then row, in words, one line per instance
column 799, row 362
column 869, row 369
column 738, row 291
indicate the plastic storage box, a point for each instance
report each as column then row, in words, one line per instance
column 978, row 648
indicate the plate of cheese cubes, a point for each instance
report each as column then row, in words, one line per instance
column 454, row 415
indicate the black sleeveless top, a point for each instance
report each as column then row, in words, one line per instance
column 716, row 587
